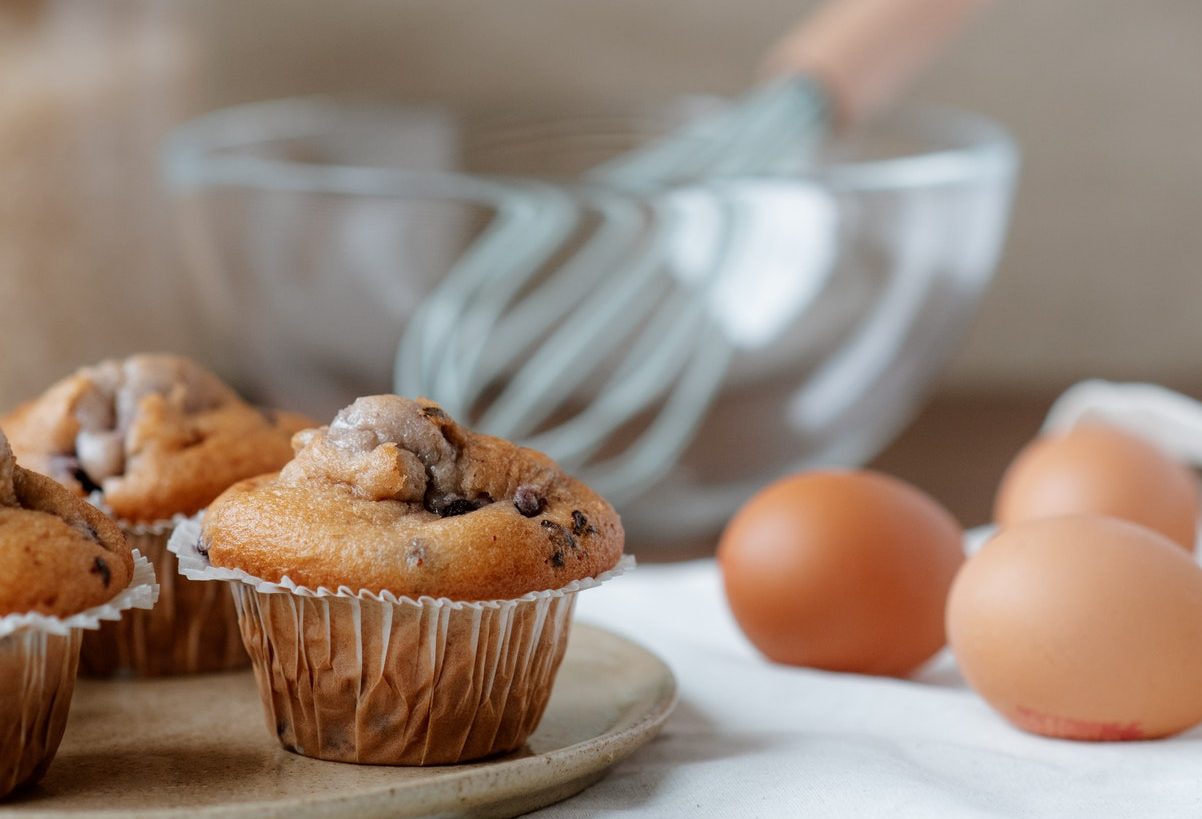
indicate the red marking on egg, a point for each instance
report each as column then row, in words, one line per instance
column 1053, row 725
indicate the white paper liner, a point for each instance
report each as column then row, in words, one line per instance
column 1172, row 420
column 141, row 593
column 194, row 566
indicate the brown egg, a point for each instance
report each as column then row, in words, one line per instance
column 1083, row 628
column 841, row 570
column 1099, row 469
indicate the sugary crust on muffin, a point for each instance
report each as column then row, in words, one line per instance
column 157, row 434
column 58, row 554
column 394, row 495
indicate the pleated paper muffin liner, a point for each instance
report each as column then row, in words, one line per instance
column 380, row 678
column 39, row 655
column 193, row 629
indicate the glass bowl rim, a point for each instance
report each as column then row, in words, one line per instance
column 193, row 158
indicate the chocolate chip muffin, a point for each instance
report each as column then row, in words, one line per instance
column 58, row 557
column 405, row 585
column 394, row 495
column 155, row 435
column 149, row 438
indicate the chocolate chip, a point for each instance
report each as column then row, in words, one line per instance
column 459, row 506
column 528, row 500
column 580, row 524
column 556, row 559
column 560, row 537
column 85, row 480
column 434, row 412
column 101, row 568
column 452, row 507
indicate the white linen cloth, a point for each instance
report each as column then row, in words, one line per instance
column 750, row 738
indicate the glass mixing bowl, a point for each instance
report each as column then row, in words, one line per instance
column 317, row 226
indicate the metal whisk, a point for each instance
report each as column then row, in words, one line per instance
column 598, row 323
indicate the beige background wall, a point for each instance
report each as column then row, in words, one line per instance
column 1101, row 275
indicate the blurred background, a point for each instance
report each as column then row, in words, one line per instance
column 1099, row 276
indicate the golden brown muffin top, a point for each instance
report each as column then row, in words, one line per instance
column 58, row 554
column 158, row 435
column 395, row 496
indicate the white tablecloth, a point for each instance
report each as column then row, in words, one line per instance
column 750, row 738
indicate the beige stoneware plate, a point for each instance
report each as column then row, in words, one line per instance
column 198, row 747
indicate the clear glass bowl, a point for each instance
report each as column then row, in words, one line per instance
column 316, row 227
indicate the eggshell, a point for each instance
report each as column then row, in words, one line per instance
column 1100, row 469
column 842, row 570
column 1082, row 627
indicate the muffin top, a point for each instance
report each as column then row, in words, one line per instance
column 157, row 435
column 58, row 554
column 395, row 496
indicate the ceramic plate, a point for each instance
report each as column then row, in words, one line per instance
column 198, row 746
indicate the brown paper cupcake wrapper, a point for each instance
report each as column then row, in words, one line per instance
column 38, row 659
column 193, row 629
column 37, row 678
column 356, row 676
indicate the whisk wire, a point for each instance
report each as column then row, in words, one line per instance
column 626, row 476
column 614, row 324
column 587, row 333
column 513, row 332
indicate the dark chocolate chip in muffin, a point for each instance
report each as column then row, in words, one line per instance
column 560, row 537
column 556, row 559
column 101, row 568
column 580, row 524
column 528, row 500
column 434, row 412
column 452, row 507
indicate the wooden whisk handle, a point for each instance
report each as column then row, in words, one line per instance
column 864, row 51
